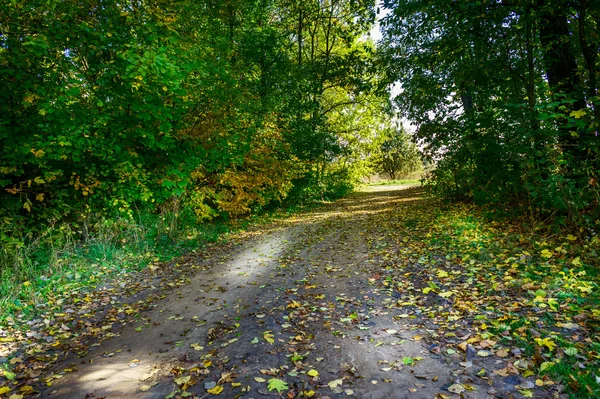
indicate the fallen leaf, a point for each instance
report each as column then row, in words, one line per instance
column 456, row 388
column 216, row 390
column 335, row 383
column 278, row 385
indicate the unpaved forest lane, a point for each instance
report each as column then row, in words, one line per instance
column 319, row 304
column 183, row 318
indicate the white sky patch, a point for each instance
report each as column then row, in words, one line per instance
column 375, row 32
column 396, row 88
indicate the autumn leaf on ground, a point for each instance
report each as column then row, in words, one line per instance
column 216, row 390
column 182, row 380
column 547, row 342
column 457, row 389
column 269, row 337
column 335, row 383
column 293, row 305
column 196, row 346
column 546, row 254
column 278, row 385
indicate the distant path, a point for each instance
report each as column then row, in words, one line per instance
column 324, row 302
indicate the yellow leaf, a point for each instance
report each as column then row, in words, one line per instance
column 26, row 283
column 293, row 304
column 546, row 254
column 39, row 180
column 526, row 392
column 16, row 396
column 145, row 388
column 40, row 197
column 26, row 389
column 236, row 384
column 576, row 261
column 446, row 294
column 547, row 342
column 258, row 379
column 313, row 373
column 268, row 337
column 571, row 237
column 27, row 206
column 426, row 290
column 4, row 390
column 38, row 153
column 216, row 390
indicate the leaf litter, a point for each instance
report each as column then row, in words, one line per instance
column 376, row 294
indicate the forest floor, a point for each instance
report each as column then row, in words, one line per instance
column 384, row 294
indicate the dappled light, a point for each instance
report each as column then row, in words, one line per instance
column 238, row 199
column 379, row 293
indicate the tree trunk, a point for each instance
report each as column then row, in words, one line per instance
column 561, row 66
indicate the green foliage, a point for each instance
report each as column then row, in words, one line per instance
column 198, row 110
column 505, row 96
column 397, row 155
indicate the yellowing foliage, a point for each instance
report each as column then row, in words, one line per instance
column 263, row 177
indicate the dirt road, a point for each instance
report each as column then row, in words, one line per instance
column 313, row 307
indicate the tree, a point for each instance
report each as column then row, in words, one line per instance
column 112, row 107
column 505, row 96
column 397, row 155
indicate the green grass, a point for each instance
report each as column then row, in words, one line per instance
column 34, row 268
column 57, row 260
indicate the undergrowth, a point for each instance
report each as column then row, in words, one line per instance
column 34, row 265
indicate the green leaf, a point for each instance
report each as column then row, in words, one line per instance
column 409, row 361
column 278, row 385
column 571, row 351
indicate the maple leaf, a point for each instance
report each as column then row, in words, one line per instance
column 547, row 342
column 278, row 385
column 578, row 114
